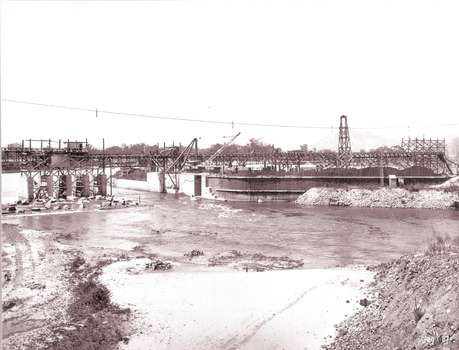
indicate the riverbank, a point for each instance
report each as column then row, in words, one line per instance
column 381, row 198
column 50, row 295
column 56, row 295
column 414, row 303
column 227, row 309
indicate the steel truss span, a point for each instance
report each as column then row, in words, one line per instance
column 428, row 154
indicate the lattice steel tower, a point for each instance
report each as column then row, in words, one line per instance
column 344, row 144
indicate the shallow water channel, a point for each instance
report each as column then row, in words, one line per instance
column 321, row 236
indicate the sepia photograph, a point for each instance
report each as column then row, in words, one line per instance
column 229, row 174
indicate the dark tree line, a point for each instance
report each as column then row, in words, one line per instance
column 254, row 146
column 136, row 148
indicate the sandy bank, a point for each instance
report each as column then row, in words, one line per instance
column 215, row 308
column 35, row 286
column 380, row 198
column 48, row 298
column 191, row 306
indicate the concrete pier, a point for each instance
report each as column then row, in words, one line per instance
column 50, row 186
column 86, row 186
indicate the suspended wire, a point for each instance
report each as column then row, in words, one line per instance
column 403, row 127
column 98, row 112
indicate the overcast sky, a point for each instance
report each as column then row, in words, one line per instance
column 392, row 67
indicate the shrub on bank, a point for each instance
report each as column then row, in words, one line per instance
column 441, row 245
column 95, row 323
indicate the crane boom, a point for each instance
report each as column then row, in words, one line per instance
column 221, row 149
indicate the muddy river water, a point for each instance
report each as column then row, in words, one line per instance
column 321, row 236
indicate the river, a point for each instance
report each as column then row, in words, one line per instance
column 171, row 226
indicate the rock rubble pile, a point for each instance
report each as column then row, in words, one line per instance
column 380, row 198
column 70, row 203
column 254, row 262
column 413, row 304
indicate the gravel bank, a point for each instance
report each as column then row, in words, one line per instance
column 413, row 304
column 380, row 198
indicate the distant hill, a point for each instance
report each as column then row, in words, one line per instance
column 360, row 139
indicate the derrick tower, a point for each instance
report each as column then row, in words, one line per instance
column 344, row 144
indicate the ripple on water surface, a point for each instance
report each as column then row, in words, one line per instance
column 322, row 236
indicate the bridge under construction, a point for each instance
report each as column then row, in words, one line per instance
column 59, row 169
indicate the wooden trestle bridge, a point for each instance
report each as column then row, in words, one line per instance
column 72, row 169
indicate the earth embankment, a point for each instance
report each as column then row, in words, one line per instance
column 381, row 198
column 414, row 304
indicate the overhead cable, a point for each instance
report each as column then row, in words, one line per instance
column 165, row 117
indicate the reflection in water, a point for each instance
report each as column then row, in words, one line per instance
column 321, row 236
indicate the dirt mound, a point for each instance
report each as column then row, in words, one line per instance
column 413, row 304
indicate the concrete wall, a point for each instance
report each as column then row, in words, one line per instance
column 261, row 183
column 153, row 182
column 14, row 187
column 131, row 184
column 155, row 179
column 189, row 182
column 185, row 182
